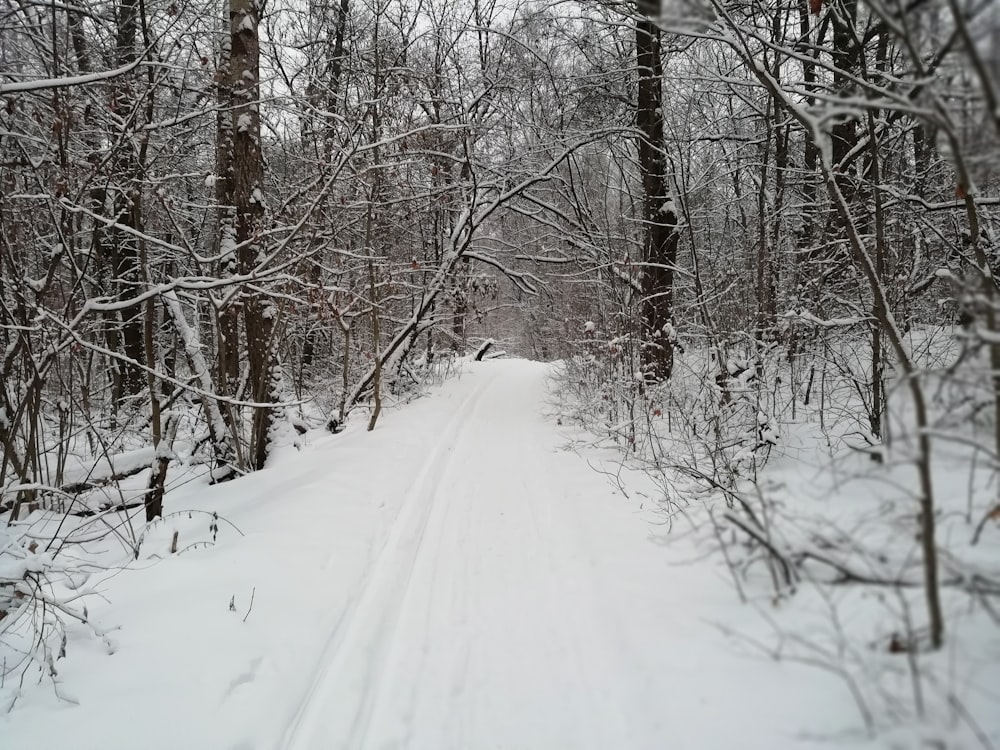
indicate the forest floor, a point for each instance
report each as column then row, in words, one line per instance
column 454, row 580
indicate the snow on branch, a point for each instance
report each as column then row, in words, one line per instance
column 808, row 317
column 42, row 84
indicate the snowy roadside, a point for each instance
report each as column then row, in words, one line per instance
column 821, row 540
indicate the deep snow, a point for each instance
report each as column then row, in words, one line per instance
column 452, row 580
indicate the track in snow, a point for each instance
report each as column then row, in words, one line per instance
column 479, row 625
column 517, row 603
column 350, row 672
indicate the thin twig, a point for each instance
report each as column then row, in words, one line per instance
column 251, row 604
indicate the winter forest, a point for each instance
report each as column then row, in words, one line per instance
column 252, row 252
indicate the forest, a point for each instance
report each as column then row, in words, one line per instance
column 745, row 228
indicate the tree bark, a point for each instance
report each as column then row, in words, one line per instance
column 228, row 314
column 659, row 219
column 127, row 207
column 245, row 181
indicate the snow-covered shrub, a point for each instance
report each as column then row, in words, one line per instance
column 770, row 455
column 35, row 605
column 716, row 414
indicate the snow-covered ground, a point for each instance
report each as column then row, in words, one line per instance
column 453, row 580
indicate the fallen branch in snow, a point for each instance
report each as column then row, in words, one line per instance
column 484, row 347
column 119, row 508
column 808, row 317
column 73, row 494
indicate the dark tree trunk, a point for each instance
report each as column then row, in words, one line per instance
column 127, row 207
column 228, row 320
column 808, row 233
column 246, row 179
column 659, row 214
column 846, row 54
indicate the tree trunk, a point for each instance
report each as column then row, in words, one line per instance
column 228, row 314
column 659, row 215
column 218, row 430
column 846, row 54
column 127, row 207
column 245, row 183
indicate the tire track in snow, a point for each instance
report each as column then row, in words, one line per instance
column 338, row 705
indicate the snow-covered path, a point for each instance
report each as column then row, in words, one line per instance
column 520, row 603
column 453, row 580
column 485, row 622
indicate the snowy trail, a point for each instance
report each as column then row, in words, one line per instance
column 354, row 659
column 482, row 624
column 453, row 580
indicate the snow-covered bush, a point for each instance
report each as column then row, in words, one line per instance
column 35, row 605
column 772, row 458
